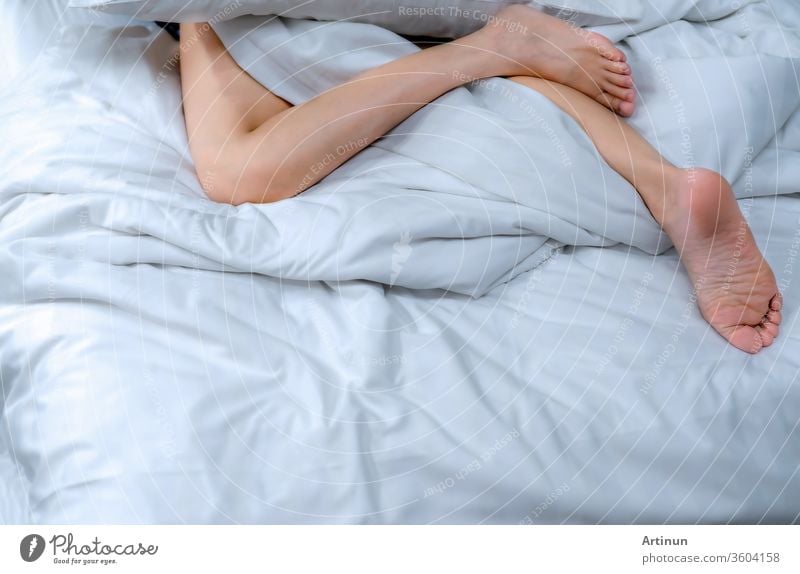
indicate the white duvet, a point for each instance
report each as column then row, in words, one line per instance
column 166, row 359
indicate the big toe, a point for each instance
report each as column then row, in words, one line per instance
column 745, row 338
column 626, row 109
column 615, row 104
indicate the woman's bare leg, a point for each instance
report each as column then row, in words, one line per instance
column 221, row 102
column 256, row 148
column 736, row 289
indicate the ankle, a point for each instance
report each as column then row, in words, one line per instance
column 486, row 50
column 660, row 187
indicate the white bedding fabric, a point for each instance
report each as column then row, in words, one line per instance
column 445, row 18
column 146, row 379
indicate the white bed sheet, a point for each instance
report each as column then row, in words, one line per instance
column 588, row 390
column 167, row 406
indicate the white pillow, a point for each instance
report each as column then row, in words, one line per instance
column 446, row 18
column 28, row 28
column 96, row 106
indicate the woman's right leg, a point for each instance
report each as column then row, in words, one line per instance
column 736, row 289
column 260, row 157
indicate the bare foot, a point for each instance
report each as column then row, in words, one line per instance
column 540, row 45
column 735, row 287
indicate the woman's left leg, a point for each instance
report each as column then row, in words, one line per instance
column 221, row 103
column 736, row 289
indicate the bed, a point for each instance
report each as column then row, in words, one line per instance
column 172, row 388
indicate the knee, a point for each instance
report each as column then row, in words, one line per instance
column 221, row 177
column 219, row 184
column 230, row 175
column 215, row 189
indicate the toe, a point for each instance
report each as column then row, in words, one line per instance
column 616, row 55
column 618, row 68
column 771, row 329
column 626, row 109
column 608, row 101
column 611, row 53
column 774, row 317
column 606, row 48
column 625, row 94
column 615, row 104
column 745, row 338
column 621, row 80
column 777, row 302
column 766, row 336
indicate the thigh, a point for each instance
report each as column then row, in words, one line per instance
column 220, row 99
